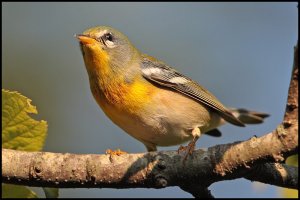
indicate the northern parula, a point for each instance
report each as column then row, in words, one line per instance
column 148, row 99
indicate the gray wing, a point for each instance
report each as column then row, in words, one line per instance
column 166, row 76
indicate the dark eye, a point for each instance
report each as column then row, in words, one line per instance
column 108, row 36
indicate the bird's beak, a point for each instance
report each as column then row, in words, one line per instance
column 85, row 39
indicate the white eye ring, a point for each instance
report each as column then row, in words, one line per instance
column 110, row 44
column 108, row 40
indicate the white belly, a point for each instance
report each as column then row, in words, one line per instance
column 167, row 122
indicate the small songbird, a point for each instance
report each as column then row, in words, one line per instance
column 148, row 99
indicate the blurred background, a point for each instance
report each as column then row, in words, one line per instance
column 241, row 52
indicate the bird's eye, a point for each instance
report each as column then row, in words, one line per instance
column 108, row 37
column 108, row 40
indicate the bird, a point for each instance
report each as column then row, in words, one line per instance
column 150, row 100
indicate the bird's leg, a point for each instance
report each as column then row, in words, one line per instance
column 191, row 146
column 150, row 147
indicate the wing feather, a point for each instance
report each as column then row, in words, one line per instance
column 164, row 75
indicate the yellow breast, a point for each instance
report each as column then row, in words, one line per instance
column 113, row 93
column 120, row 98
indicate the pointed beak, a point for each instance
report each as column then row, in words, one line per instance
column 85, row 39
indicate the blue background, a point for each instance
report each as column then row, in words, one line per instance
column 241, row 52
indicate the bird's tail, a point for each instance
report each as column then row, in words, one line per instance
column 249, row 117
column 244, row 116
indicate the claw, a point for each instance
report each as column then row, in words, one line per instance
column 117, row 152
column 112, row 153
column 187, row 150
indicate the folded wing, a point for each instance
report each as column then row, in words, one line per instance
column 166, row 76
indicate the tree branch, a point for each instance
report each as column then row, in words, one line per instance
column 247, row 159
column 154, row 169
column 279, row 174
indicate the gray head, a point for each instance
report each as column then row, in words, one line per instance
column 107, row 44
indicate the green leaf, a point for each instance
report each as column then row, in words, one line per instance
column 51, row 192
column 16, row 191
column 290, row 193
column 292, row 160
column 19, row 130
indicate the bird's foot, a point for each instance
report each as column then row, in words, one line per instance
column 117, row 152
column 113, row 153
column 187, row 150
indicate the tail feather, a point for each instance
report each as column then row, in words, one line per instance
column 249, row 117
